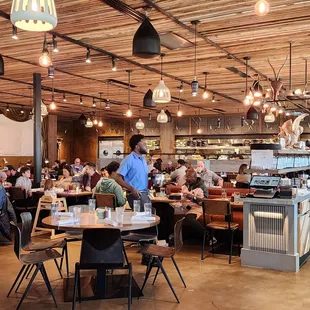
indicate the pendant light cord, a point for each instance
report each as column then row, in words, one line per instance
column 246, row 77
column 195, row 71
column 290, row 86
column 129, row 99
column 161, row 66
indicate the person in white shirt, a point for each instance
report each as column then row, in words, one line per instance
column 24, row 181
column 179, row 174
column 209, row 177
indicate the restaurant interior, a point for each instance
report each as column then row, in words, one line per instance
column 154, row 154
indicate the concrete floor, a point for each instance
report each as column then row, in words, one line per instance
column 211, row 284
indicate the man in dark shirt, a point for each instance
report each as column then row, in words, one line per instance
column 12, row 175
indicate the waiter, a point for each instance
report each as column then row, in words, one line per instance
column 133, row 172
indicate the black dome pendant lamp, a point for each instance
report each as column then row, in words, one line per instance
column 146, row 42
column 148, row 100
column 252, row 114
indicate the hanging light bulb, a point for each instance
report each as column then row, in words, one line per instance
column 261, row 8
column 213, row 98
column 195, row 84
column 54, row 44
column 100, row 124
column 140, row 124
column 242, row 121
column 89, row 123
column 14, row 32
column 179, row 113
column 199, row 130
column 162, row 117
column 246, row 101
column 281, row 111
column 129, row 112
column 181, row 88
column 45, row 59
column 51, row 71
column 248, row 94
column 269, row 118
column 95, row 122
column 53, row 105
column 257, row 102
column 113, row 64
column 150, row 116
column 64, row 99
column 161, row 93
column 206, row 93
column 94, row 103
column 7, row 108
column 81, row 100
column 298, row 92
column 88, row 57
column 22, row 110
column 107, row 104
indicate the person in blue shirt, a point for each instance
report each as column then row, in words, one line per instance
column 77, row 167
column 133, row 172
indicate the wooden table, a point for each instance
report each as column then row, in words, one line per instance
column 101, row 286
column 92, row 221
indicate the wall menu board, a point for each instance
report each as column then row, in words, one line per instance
column 16, row 137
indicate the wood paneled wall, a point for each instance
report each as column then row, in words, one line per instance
column 14, row 160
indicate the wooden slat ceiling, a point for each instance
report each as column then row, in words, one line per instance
column 230, row 25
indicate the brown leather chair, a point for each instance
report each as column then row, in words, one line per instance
column 105, row 200
column 228, row 185
column 213, row 211
column 173, row 189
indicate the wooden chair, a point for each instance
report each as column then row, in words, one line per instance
column 228, row 185
column 173, row 189
column 45, row 203
column 105, row 200
column 214, row 208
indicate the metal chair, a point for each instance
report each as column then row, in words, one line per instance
column 37, row 259
column 105, row 200
column 28, row 245
column 158, row 254
column 101, row 249
column 213, row 208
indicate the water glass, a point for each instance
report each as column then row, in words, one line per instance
column 237, row 197
column 136, row 206
column 162, row 192
column 54, row 209
column 77, row 213
column 77, row 189
column 92, row 205
column 148, row 209
column 119, row 215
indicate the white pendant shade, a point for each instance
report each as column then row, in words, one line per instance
column 269, row 118
column 161, row 93
column 140, row 124
column 34, row 15
column 89, row 123
column 44, row 111
column 162, row 117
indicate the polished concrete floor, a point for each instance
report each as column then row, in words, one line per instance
column 211, row 284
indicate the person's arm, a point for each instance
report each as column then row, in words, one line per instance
column 119, row 179
column 118, row 192
column 217, row 179
column 174, row 174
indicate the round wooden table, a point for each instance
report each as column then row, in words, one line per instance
column 89, row 220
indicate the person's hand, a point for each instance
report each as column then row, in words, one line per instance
column 189, row 195
column 135, row 193
column 30, row 193
column 88, row 189
column 22, row 188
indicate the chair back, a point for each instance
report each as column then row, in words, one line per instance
column 178, row 237
column 216, row 207
column 228, row 185
column 173, row 189
column 16, row 193
column 105, row 200
column 242, row 185
column 17, row 239
column 102, row 246
column 26, row 228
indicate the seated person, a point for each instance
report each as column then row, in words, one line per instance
column 107, row 185
column 90, row 178
column 49, row 189
column 12, row 175
column 169, row 169
column 209, row 177
column 178, row 175
column 242, row 176
column 3, row 178
column 66, row 178
column 77, row 167
column 24, row 181
column 56, row 165
column 104, row 172
column 7, row 214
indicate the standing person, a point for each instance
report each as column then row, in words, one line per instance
column 179, row 174
column 77, row 167
column 209, row 177
column 133, row 172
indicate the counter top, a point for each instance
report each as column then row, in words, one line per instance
column 278, row 201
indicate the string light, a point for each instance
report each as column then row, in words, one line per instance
column 94, row 103
column 22, row 110
column 113, row 64
column 7, row 108
column 88, row 57
column 14, row 32
column 81, row 100
column 213, row 98
column 261, row 8
column 64, row 97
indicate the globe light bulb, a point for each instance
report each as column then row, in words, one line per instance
column 53, row 106
column 179, row 114
column 129, row 113
column 205, row 94
column 45, row 59
column 261, row 8
column 100, row 124
column 95, row 122
column 199, row 131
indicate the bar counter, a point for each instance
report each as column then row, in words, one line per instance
column 276, row 233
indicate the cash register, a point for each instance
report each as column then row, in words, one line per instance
column 266, row 186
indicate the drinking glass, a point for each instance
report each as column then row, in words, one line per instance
column 54, row 209
column 136, row 206
column 77, row 213
column 148, row 209
column 92, row 205
column 162, row 192
column 237, row 196
column 119, row 215
column 77, row 189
